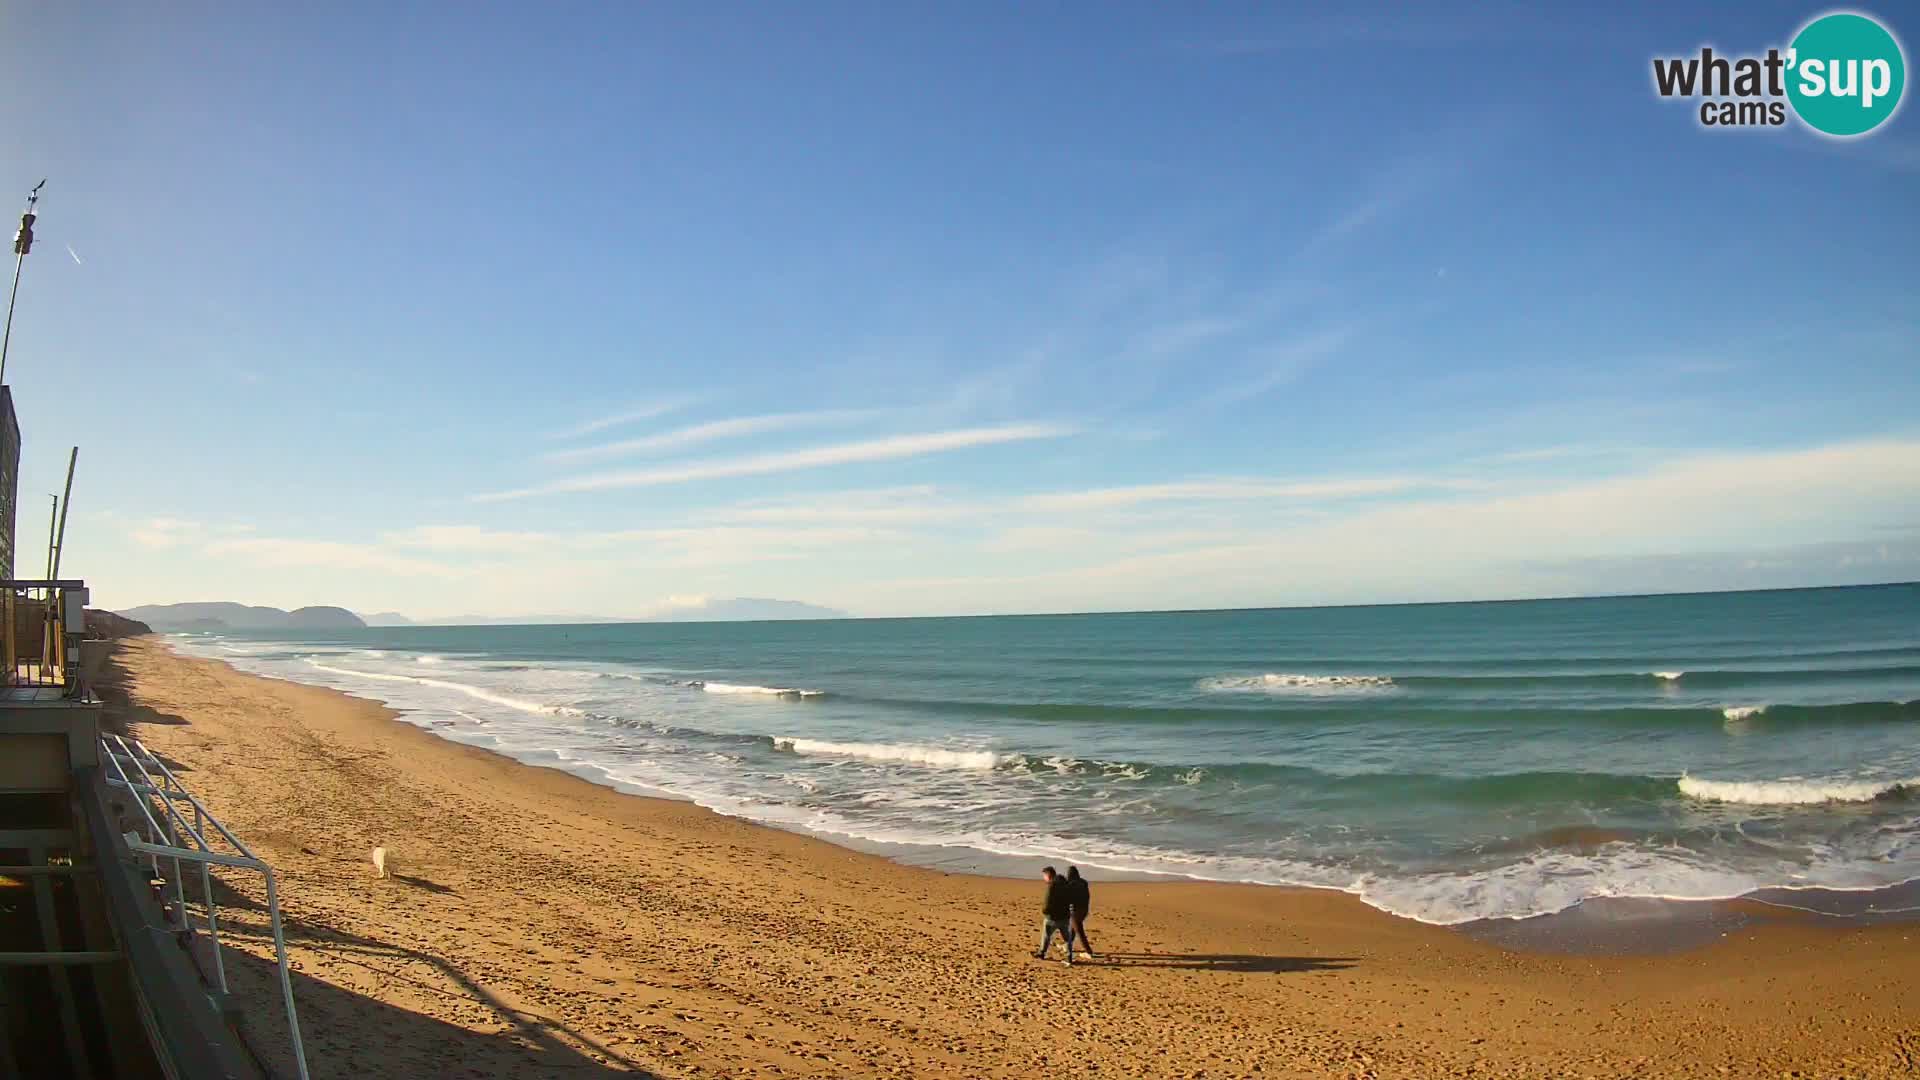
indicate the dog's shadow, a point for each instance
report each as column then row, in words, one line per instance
column 423, row 883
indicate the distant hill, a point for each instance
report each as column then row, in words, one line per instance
column 712, row 609
column 518, row 620
column 324, row 618
column 746, row 609
column 105, row 624
column 227, row 616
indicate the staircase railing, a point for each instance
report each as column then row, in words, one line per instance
column 172, row 838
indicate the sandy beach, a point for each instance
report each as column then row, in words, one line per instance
column 543, row 926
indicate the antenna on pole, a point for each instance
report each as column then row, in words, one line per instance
column 22, row 244
column 66, row 503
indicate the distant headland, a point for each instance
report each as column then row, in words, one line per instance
column 225, row 615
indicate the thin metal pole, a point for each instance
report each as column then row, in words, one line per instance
column 19, row 261
column 48, row 605
column 66, row 503
column 22, row 244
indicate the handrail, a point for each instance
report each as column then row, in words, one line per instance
column 188, row 843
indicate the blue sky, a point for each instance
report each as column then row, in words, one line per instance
column 913, row 310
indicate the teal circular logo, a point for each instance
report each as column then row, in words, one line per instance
column 1845, row 74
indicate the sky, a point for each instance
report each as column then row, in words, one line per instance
column 947, row 309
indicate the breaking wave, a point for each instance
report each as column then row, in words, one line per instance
column 769, row 691
column 1795, row 792
column 475, row 692
column 1284, row 682
column 941, row 757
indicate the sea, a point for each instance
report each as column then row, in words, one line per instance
column 1444, row 762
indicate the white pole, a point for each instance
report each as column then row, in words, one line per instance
column 66, row 501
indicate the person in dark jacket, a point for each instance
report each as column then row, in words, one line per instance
column 1079, row 901
column 1058, row 912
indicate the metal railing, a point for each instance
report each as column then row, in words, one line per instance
column 172, row 838
column 43, row 622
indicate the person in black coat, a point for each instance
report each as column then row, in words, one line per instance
column 1079, row 902
column 1057, row 909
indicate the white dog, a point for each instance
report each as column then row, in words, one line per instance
column 380, row 862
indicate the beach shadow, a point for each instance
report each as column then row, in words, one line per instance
column 121, row 710
column 347, row 1034
column 423, row 883
column 226, row 896
column 1241, row 962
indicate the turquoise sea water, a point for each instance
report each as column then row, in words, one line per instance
column 1444, row 762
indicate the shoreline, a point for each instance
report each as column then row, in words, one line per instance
column 543, row 919
column 1604, row 924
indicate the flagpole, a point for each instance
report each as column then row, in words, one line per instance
column 52, row 517
column 22, row 244
column 66, row 502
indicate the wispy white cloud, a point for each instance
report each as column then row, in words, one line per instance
column 922, row 504
column 1687, row 520
column 164, row 532
column 1178, row 337
column 892, row 506
column 1561, row 452
column 1231, row 490
column 1601, row 535
column 469, row 538
column 1280, row 364
column 732, row 428
column 332, row 554
column 1388, row 193
column 634, row 415
column 887, row 449
column 473, row 539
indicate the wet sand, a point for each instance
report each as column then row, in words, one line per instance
column 544, row 926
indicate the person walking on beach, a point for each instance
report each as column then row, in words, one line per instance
column 1058, row 912
column 1079, row 902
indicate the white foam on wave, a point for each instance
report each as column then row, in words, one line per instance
column 426, row 658
column 478, row 693
column 1668, row 676
column 768, row 691
column 1290, row 683
column 1550, row 882
column 1792, row 791
column 937, row 756
column 1738, row 713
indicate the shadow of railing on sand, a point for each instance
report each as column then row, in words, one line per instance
column 348, row 1034
column 1228, row 962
